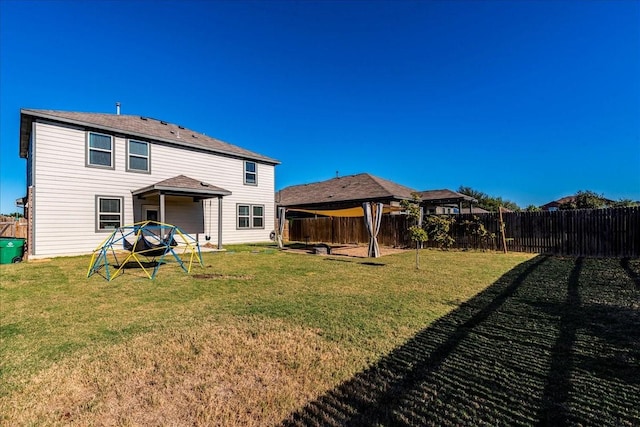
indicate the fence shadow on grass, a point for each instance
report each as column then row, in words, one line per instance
column 508, row 356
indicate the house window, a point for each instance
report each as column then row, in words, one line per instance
column 138, row 156
column 250, row 216
column 243, row 216
column 99, row 150
column 257, row 216
column 108, row 213
column 250, row 173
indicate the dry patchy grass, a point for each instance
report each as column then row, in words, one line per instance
column 250, row 371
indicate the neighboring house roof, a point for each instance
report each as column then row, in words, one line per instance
column 183, row 186
column 477, row 210
column 444, row 196
column 136, row 126
column 557, row 203
column 568, row 199
column 341, row 190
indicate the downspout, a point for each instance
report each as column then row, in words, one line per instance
column 219, row 222
column 31, row 196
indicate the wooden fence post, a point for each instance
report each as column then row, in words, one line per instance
column 504, row 239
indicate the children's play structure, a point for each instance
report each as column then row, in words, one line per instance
column 146, row 246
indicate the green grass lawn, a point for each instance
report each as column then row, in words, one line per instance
column 257, row 334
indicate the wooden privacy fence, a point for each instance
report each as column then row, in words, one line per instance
column 393, row 230
column 9, row 227
column 587, row 232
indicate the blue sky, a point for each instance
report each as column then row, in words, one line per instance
column 527, row 100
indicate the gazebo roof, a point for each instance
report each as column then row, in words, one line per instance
column 342, row 191
column 444, row 196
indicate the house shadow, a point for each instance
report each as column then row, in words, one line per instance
column 508, row 356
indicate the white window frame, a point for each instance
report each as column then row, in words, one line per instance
column 250, row 217
column 90, row 149
column 140, row 156
column 99, row 213
column 247, row 172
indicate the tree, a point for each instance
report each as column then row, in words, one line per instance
column 14, row 215
column 478, row 195
column 416, row 232
column 488, row 202
column 624, row 203
column 585, row 200
column 475, row 228
column 532, row 208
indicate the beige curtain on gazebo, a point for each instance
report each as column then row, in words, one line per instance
column 282, row 213
column 373, row 219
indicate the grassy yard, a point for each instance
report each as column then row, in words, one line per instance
column 259, row 336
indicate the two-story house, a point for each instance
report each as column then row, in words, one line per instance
column 88, row 173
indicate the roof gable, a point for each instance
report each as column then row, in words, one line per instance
column 137, row 126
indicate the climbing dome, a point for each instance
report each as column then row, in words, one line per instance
column 144, row 245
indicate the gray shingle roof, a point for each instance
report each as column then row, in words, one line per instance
column 183, row 184
column 360, row 187
column 476, row 210
column 557, row 203
column 444, row 196
column 137, row 126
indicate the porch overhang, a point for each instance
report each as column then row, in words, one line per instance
column 182, row 186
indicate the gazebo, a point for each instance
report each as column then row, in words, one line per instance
column 362, row 195
column 446, row 201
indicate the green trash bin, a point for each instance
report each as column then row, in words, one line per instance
column 11, row 249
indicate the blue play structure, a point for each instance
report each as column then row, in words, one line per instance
column 146, row 245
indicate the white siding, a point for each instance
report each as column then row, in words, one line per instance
column 66, row 190
column 188, row 215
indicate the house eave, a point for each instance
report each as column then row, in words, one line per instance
column 331, row 204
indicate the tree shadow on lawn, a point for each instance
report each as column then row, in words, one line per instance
column 528, row 350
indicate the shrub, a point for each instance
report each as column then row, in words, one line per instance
column 480, row 235
column 438, row 229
